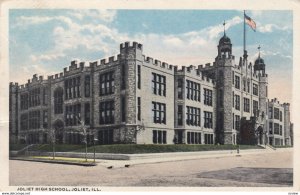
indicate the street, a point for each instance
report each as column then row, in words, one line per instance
column 252, row 170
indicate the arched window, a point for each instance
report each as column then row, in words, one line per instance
column 58, row 101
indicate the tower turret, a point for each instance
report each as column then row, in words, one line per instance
column 225, row 46
column 259, row 64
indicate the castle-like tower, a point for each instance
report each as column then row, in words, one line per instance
column 241, row 92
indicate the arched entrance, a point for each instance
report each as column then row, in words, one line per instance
column 59, row 131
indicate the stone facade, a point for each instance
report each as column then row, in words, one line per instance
column 132, row 98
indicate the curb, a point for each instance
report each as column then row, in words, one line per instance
column 56, row 162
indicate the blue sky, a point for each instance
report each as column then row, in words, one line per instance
column 44, row 41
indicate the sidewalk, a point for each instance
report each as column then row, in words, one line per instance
column 136, row 159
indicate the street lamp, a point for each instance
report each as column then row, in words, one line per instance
column 95, row 139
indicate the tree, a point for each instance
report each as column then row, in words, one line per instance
column 52, row 137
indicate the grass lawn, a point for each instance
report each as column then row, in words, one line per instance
column 138, row 149
column 282, row 146
column 17, row 147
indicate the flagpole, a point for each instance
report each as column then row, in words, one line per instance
column 244, row 35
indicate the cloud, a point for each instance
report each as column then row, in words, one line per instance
column 102, row 15
column 267, row 28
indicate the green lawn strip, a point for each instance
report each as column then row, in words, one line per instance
column 17, row 147
column 139, row 149
column 282, row 146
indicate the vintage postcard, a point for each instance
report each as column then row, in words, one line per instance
column 149, row 95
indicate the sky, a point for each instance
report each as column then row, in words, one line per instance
column 44, row 41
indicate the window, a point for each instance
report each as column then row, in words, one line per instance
column 276, row 129
column 255, row 108
column 208, row 120
column 237, row 82
column 73, row 115
column 87, row 114
column 233, row 100
column 72, row 88
column 139, row 109
column 193, row 116
column 158, row 84
column 193, row 138
column 107, row 112
column 180, row 88
column 246, row 105
column 208, row 138
column 58, row 101
column 34, row 97
column 24, row 122
column 237, row 122
column 244, row 84
column 193, row 90
column 232, row 121
column 248, row 86
column 123, row 72
column 207, row 97
column 232, row 77
column 159, row 137
column 159, row 112
column 139, row 76
column 237, row 102
column 87, row 86
column 123, row 106
column 34, row 119
column 45, row 119
column 179, row 115
column 270, row 128
column 24, row 101
column 255, row 89
column 107, row 83
column 106, row 136
column 45, row 96
column 270, row 112
column 280, row 116
column 280, row 130
column 276, row 113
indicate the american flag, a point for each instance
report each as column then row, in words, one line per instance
column 250, row 22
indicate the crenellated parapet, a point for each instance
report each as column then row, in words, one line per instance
column 194, row 71
column 134, row 45
column 158, row 63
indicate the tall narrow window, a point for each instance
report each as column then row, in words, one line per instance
column 123, row 72
column 255, row 89
column 139, row 109
column 58, row 101
column 246, row 105
column 237, row 82
column 45, row 119
column 123, row 105
column 208, row 120
column 87, row 114
column 180, row 115
column 139, row 76
column 180, row 88
column 87, row 86
column 255, row 108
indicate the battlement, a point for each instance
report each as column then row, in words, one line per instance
column 196, row 72
column 158, row 63
column 276, row 101
column 127, row 45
